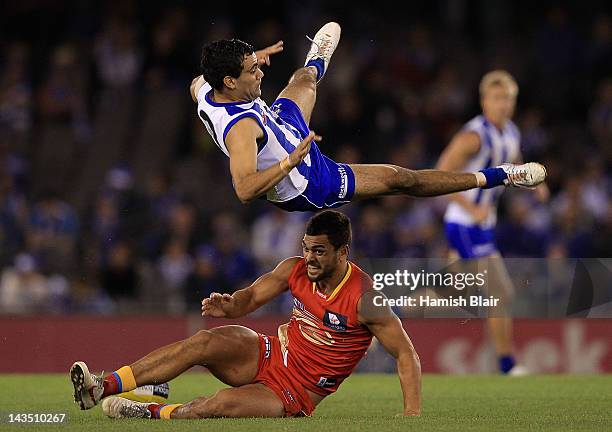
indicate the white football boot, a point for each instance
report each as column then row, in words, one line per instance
column 527, row 175
column 324, row 44
column 118, row 408
column 518, row 370
column 88, row 388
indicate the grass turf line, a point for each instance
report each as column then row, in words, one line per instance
column 365, row 402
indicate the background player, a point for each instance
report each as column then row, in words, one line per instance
column 272, row 150
column 487, row 140
column 330, row 330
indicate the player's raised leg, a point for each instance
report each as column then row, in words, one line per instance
column 231, row 353
column 377, row 180
column 302, row 87
column 252, row 400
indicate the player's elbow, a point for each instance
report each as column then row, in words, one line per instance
column 244, row 194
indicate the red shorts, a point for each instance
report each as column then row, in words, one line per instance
column 276, row 376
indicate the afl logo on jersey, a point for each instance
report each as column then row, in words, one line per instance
column 335, row 321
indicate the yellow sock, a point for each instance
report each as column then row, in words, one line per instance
column 128, row 382
column 166, row 410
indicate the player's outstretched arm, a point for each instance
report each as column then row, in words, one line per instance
column 387, row 328
column 249, row 183
column 246, row 300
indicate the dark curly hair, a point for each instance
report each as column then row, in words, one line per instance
column 223, row 58
column 332, row 223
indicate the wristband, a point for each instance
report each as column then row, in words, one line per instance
column 284, row 166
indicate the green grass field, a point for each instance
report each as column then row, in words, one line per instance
column 363, row 403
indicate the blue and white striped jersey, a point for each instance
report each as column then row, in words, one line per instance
column 496, row 147
column 280, row 138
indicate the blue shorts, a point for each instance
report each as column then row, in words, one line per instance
column 470, row 241
column 330, row 184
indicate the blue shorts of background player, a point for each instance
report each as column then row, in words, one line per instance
column 470, row 241
column 330, row 184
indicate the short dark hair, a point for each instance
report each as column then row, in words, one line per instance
column 334, row 224
column 223, row 58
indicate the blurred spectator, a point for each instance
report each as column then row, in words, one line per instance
column 516, row 236
column 276, row 235
column 62, row 98
column 375, row 240
column 205, row 278
column 174, row 267
column 15, row 97
column 600, row 118
column 52, row 233
column 22, row 288
column 118, row 56
column 119, row 276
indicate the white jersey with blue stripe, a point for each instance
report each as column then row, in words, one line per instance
column 280, row 138
column 496, row 147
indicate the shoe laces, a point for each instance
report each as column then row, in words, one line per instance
column 98, row 388
column 133, row 409
column 516, row 175
column 323, row 47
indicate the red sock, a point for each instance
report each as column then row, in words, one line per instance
column 111, row 385
column 155, row 409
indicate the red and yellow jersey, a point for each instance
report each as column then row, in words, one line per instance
column 325, row 338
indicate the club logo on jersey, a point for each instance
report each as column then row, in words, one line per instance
column 335, row 321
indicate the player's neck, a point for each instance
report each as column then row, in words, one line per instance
column 499, row 125
column 327, row 286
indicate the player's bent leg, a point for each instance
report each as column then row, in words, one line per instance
column 231, row 353
column 302, row 89
column 252, row 400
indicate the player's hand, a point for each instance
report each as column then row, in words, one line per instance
column 217, row 305
column 263, row 55
column 480, row 213
column 302, row 149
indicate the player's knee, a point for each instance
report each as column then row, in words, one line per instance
column 199, row 340
column 304, row 75
column 401, row 180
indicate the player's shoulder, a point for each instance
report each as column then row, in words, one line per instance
column 290, row 267
column 198, row 88
column 476, row 125
column 468, row 140
column 361, row 279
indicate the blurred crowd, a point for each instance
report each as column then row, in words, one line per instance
column 113, row 198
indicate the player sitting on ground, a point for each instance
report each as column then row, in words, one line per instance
column 331, row 328
column 272, row 150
